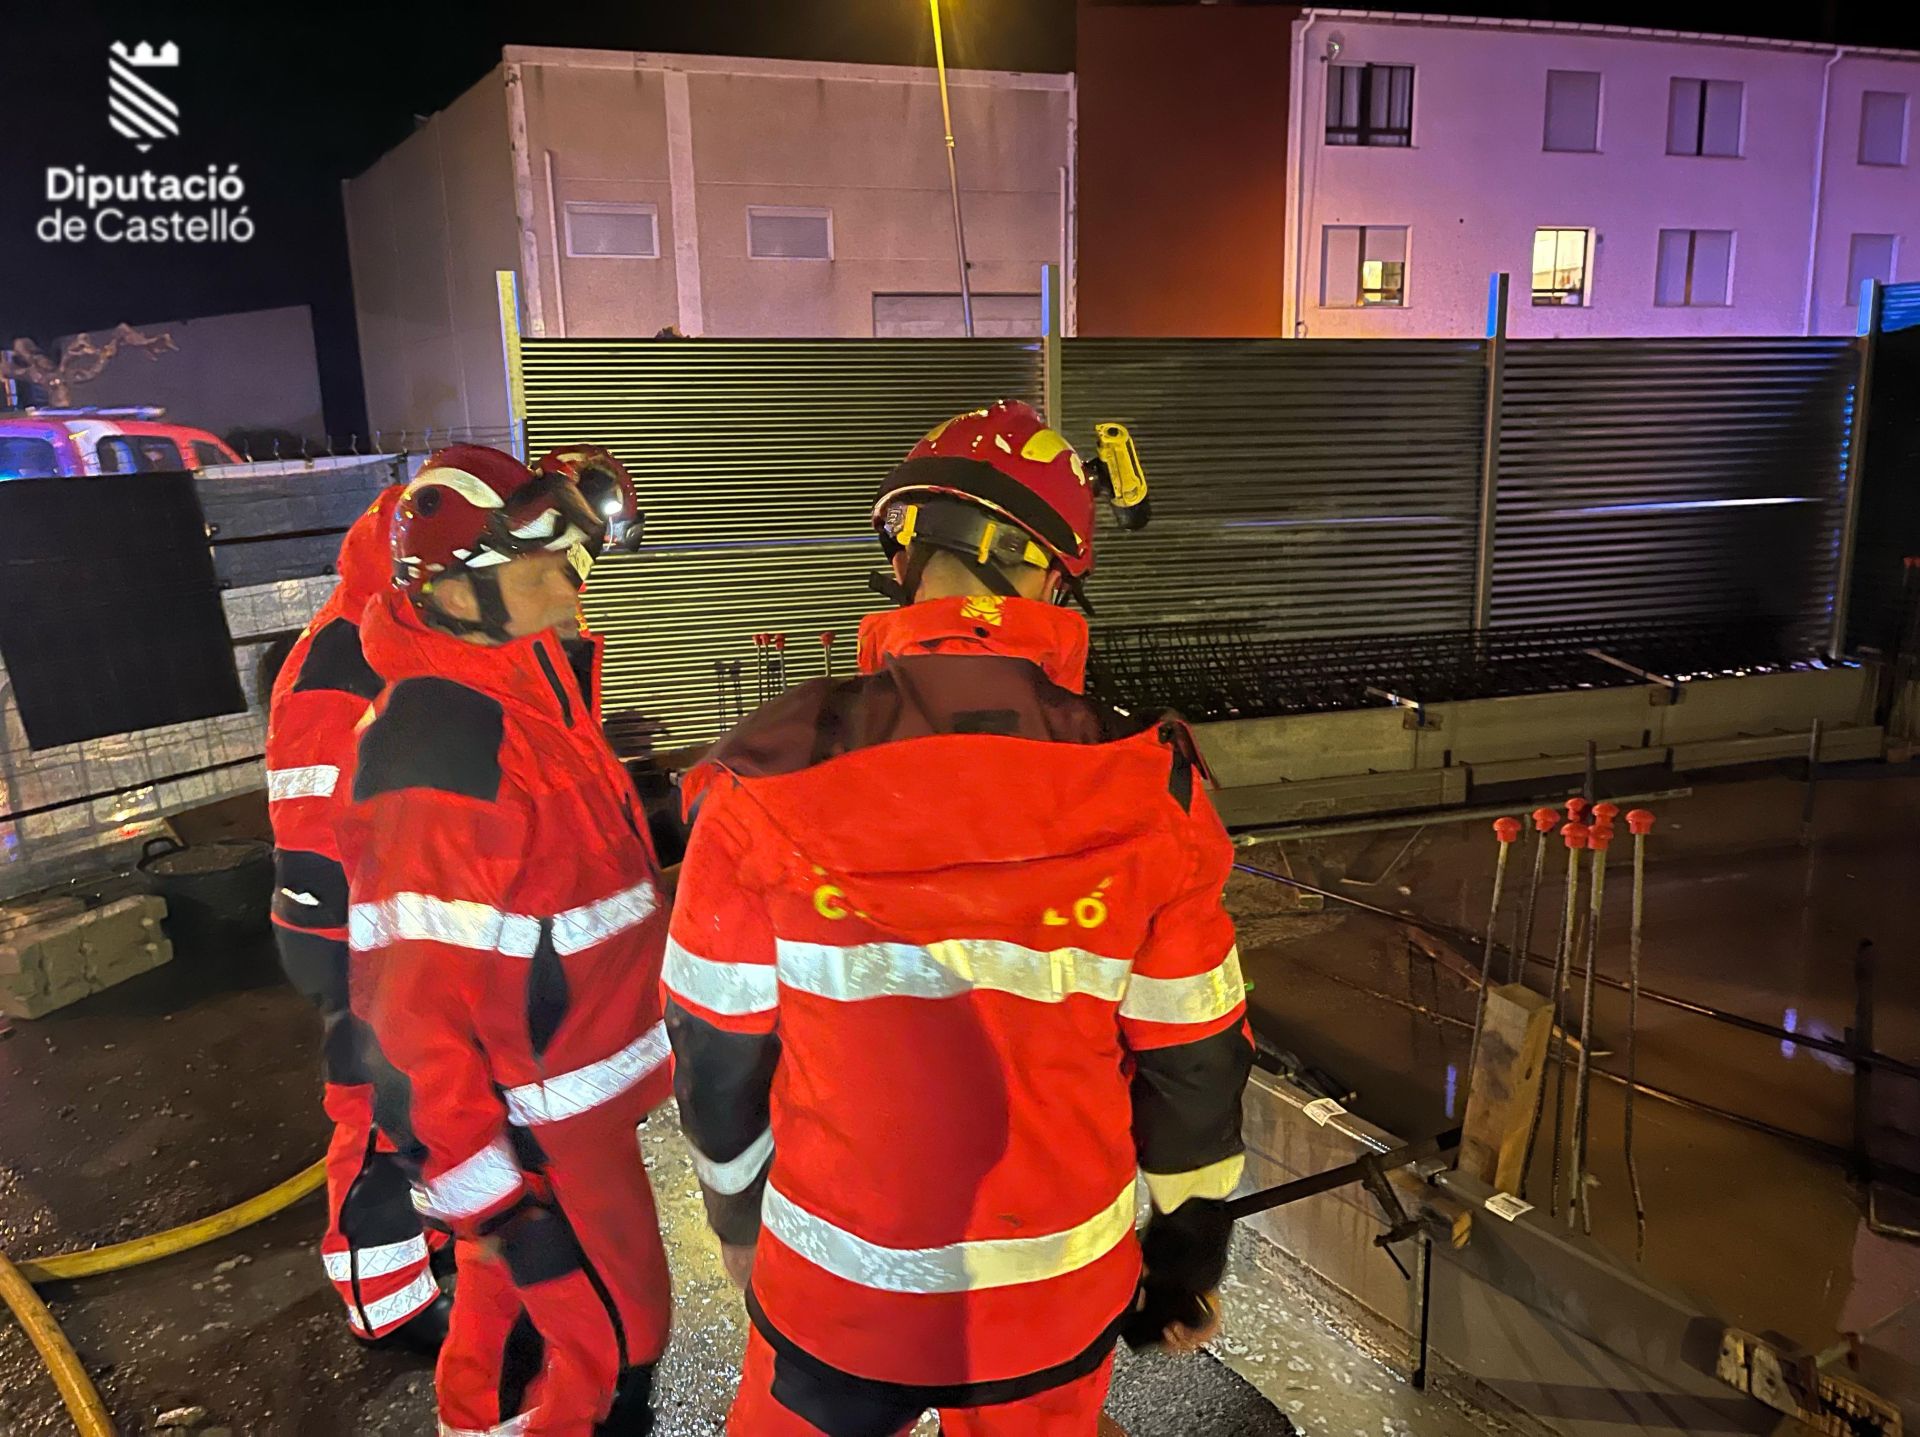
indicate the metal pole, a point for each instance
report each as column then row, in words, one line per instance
column 1505, row 830
column 1490, row 449
column 1598, row 840
column 1051, row 330
column 1641, row 822
column 507, row 284
column 953, row 172
column 1862, row 1039
column 1871, row 297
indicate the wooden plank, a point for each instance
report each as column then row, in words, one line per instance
column 1505, row 1085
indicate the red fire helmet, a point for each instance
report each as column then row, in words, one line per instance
column 471, row 508
column 1006, row 465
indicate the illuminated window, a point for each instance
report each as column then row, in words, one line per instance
column 1363, row 266
column 1560, row 266
column 1370, row 105
column 1703, row 117
column 1695, row 268
column 1573, row 111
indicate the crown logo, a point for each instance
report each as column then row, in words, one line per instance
column 145, row 56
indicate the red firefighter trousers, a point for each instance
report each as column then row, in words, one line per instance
column 375, row 1253
column 609, row 1315
column 1070, row 1410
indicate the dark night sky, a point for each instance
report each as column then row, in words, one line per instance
column 301, row 98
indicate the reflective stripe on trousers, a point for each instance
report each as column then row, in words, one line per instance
column 388, row 1312
column 374, row 1261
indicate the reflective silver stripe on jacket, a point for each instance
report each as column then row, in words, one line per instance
column 490, row 1176
column 461, row 923
column 580, row 928
column 391, row 1311
column 735, row 1175
column 375, row 1261
column 512, row 1427
column 957, row 1267
column 947, row 969
column 730, row 988
column 314, row 781
column 1202, row 998
column 585, row 1088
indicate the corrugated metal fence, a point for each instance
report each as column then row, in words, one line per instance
column 1670, row 479
column 1316, row 487
column 756, row 462
column 1324, row 487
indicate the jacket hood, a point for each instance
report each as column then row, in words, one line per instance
column 531, row 673
column 366, row 554
column 1044, row 634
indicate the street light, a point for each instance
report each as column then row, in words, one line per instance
column 953, row 172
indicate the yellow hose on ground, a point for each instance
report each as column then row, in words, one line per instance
column 76, row 1388
column 137, row 1250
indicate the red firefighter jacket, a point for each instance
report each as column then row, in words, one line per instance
column 319, row 698
column 948, row 960
column 507, row 919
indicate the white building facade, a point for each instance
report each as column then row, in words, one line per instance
column 1629, row 182
column 716, row 196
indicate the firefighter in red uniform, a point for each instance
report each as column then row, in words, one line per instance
column 948, row 962
column 375, row 1252
column 507, row 921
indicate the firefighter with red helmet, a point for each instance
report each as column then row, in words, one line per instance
column 507, row 921
column 374, row 1250
column 949, row 961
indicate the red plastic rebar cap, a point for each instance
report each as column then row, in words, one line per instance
column 1605, row 812
column 1545, row 818
column 1575, row 807
column 826, row 640
column 779, row 641
column 1640, row 821
column 1600, row 836
column 1506, row 829
column 1574, row 834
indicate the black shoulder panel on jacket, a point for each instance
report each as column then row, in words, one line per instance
column 334, row 661
column 433, row 733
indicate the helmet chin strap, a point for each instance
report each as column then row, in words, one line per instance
column 494, row 623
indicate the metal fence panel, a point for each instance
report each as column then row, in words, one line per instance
column 1671, row 479
column 1316, row 487
column 1889, row 528
column 756, row 461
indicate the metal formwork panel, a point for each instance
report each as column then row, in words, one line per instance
column 756, row 461
column 1317, row 487
column 1695, row 479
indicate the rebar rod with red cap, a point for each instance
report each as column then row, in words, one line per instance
column 826, row 648
column 1505, row 830
column 1641, row 823
column 1574, row 835
column 1544, row 820
column 760, row 668
column 780, row 663
column 1599, row 839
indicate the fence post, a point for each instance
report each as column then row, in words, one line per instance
column 1050, row 328
column 1490, row 449
column 1872, row 298
column 508, row 284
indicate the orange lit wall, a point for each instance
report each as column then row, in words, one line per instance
column 1182, row 168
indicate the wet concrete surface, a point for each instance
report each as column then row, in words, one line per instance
column 196, row 1086
column 1768, row 1233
